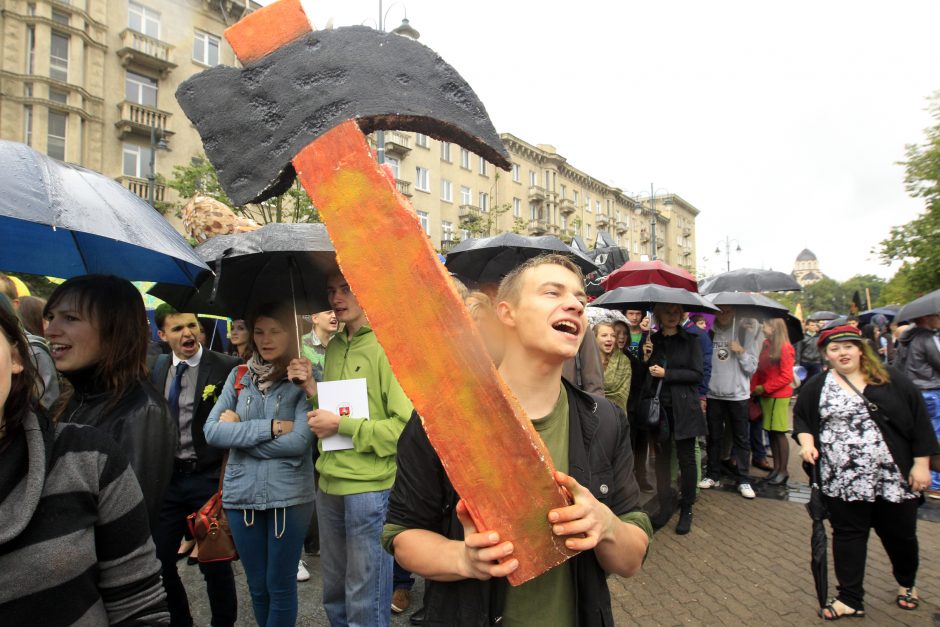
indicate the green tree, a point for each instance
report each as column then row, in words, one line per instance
column 917, row 243
column 294, row 205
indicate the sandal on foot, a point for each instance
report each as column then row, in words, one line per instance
column 909, row 597
column 834, row 614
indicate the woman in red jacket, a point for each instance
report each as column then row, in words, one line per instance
column 772, row 383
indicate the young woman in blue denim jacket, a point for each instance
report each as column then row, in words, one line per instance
column 268, row 490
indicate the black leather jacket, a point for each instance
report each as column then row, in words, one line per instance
column 920, row 355
column 139, row 422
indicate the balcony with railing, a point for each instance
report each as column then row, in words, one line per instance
column 538, row 227
column 536, row 193
column 469, row 212
column 565, row 206
column 404, row 187
column 141, row 187
column 139, row 119
column 622, row 227
column 601, row 220
column 644, row 235
column 397, row 143
column 145, row 51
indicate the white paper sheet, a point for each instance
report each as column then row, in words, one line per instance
column 344, row 398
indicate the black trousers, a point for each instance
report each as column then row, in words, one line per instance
column 895, row 524
column 186, row 494
column 688, row 475
column 734, row 414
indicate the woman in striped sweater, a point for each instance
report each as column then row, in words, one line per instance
column 75, row 546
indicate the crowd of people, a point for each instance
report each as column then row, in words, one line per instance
column 109, row 440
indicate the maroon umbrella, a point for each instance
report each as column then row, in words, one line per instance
column 656, row 272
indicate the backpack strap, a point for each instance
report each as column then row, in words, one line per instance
column 240, row 371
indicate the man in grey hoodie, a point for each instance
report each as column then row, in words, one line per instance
column 735, row 349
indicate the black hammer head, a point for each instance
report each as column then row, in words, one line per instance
column 253, row 121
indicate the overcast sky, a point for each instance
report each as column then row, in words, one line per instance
column 781, row 122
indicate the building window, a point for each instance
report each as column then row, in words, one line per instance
column 597, row 206
column 445, row 151
column 465, row 194
column 59, row 57
column 574, row 197
column 30, row 48
column 447, row 231
column 564, row 222
column 57, row 95
column 55, row 140
column 516, row 173
column 140, row 89
column 516, row 208
column 421, row 140
column 447, row 190
column 143, row 20
column 205, row 48
column 464, row 234
column 587, row 205
column 562, row 191
column 484, row 201
column 28, row 125
column 394, row 166
column 465, row 158
column 60, row 18
column 136, row 161
column 533, row 179
column 425, row 223
column 587, row 230
column 31, row 9
column 482, row 166
column 422, row 179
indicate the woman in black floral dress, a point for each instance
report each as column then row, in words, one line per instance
column 867, row 428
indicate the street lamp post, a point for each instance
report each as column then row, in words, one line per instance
column 406, row 30
column 653, row 215
column 152, row 174
column 727, row 244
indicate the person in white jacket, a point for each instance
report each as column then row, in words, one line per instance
column 735, row 348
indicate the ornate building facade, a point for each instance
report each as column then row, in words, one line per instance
column 806, row 268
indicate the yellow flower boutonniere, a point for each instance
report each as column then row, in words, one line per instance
column 208, row 391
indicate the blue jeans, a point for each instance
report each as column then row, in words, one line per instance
column 932, row 400
column 357, row 572
column 269, row 544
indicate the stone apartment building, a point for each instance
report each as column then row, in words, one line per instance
column 456, row 195
column 92, row 82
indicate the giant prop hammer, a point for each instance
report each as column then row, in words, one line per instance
column 302, row 105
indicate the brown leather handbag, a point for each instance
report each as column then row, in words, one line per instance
column 209, row 526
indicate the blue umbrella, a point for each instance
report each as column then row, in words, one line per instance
column 63, row 220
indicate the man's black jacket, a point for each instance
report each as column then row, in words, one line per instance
column 599, row 458
column 214, row 369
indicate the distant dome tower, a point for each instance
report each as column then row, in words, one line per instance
column 806, row 269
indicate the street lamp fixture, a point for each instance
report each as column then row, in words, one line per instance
column 727, row 245
column 638, row 201
column 152, row 174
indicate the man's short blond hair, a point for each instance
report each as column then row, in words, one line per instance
column 511, row 285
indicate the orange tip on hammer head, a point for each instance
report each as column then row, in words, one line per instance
column 267, row 29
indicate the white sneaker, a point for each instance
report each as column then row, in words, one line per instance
column 707, row 483
column 746, row 491
column 302, row 573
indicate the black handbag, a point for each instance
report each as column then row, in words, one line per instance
column 651, row 411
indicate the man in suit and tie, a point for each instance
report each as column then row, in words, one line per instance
column 191, row 378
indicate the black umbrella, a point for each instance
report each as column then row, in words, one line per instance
column 644, row 297
column 489, row 259
column 794, row 328
column 818, row 542
column 278, row 262
column 749, row 280
column 818, row 316
column 923, row 306
column 63, row 220
column 836, row 322
column 749, row 305
column 888, row 311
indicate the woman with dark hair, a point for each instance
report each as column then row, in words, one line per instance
column 673, row 358
column 239, row 340
column 60, row 564
column 98, row 336
column 30, row 313
column 867, row 427
column 772, row 384
column 268, row 488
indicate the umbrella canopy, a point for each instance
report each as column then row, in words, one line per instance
column 818, row 316
column 644, row 297
column 888, row 312
column 750, row 305
column 818, row 544
column 596, row 315
column 749, row 280
column 794, row 328
column 66, row 221
column 489, row 259
column 635, row 273
column 924, row 306
column 279, row 262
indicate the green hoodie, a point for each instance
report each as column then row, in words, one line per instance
column 370, row 465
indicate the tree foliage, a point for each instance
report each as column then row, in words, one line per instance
column 294, row 205
column 830, row 295
column 917, row 243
